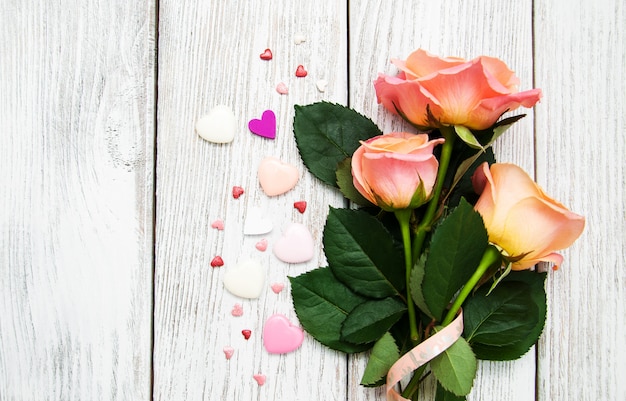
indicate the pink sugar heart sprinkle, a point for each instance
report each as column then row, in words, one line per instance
column 260, row 379
column 282, row 88
column 261, row 245
column 218, row 224
column 277, row 287
column 217, row 262
column 228, row 352
column 237, row 310
column 237, row 192
column 265, row 127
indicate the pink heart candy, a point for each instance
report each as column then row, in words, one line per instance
column 280, row 336
column 266, row 126
column 261, row 245
column 228, row 352
column 260, row 379
column 218, row 224
column 295, row 245
column 277, row 287
column 277, row 177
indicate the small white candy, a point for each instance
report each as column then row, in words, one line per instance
column 321, row 85
column 299, row 38
column 218, row 126
column 256, row 223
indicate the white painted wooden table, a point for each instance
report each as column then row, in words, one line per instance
column 107, row 194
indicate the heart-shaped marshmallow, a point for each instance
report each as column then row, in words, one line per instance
column 265, row 127
column 295, row 245
column 218, row 126
column 256, row 223
column 246, row 279
column 277, row 177
column 280, row 336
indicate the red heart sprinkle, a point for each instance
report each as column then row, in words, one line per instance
column 266, row 55
column 237, row 192
column 300, row 205
column 301, row 72
column 246, row 333
column 217, row 262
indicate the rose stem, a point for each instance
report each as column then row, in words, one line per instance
column 490, row 257
column 427, row 220
column 404, row 217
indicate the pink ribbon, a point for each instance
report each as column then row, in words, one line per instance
column 421, row 355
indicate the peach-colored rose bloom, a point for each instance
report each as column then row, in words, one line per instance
column 520, row 218
column 396, row 171
column 472, row 93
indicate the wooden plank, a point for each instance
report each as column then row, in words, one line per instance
column 379, row 32
column 77, row 111
column 209, row 55
column 580, row 63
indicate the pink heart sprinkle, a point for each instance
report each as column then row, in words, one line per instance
column 282, row 88
column 228, row 352
column 237, row 192
column 237, row 310
column 260, row 379
column 218, row 224
column 261, row 245
column 277, row 287
column 280, row 336
column 266, row 55
column 246, row 333
column 300, row 205
column 265, row 127
column 217, row 262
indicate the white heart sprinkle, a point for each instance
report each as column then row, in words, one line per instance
column 299, row 38
column 218, row 126
column 256, row 223
column 321, row 85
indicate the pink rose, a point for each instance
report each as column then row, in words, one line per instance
column 472, row 93
column 521, row 219
column 397, row 170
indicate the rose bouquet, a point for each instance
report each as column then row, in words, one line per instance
column 435, row 268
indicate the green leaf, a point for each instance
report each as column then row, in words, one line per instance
column 415, row 284
column 456, row 248
column 504, row 317
column 444, row 395
column 370, row 320
column 468, row 137
column 455, row 368
column 322, row 303
column 346, row 185
column 326, row 134
column 361, row 253
column 384, row 354
column 537, row 295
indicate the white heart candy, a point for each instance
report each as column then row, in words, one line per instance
column 219, row 126
column 296, row 244
column 256, row 223
column 246, row 279
column 277, row 177
column 299, row 38
column 321, row 85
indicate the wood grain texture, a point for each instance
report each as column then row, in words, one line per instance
column 209, row 55
column 76, row 113
column 378, row 33
column 581, row 66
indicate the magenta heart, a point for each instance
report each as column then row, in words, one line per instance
column 266, row 126
column 280, row 336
